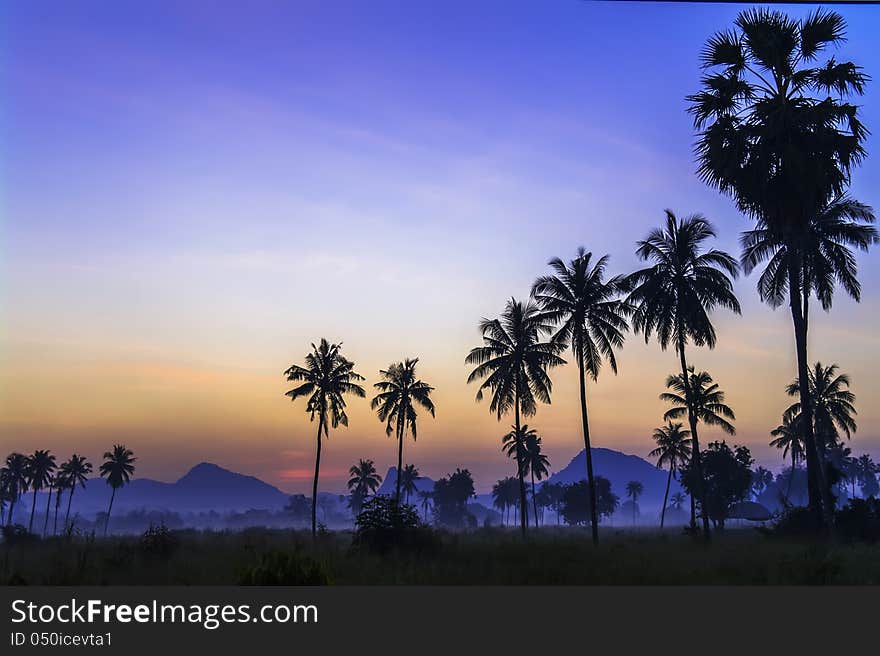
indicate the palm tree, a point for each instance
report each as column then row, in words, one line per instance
column 513, row 362
column 39, row 472
column 117, row 468
column 778, row 135
column 400, row 392
column 867, row 472
column 326, row 378
column 425, row 496
column 673, row 449
column 499, row 497
column 537, row 463
column 408, row 481
column 365, row 480
column 76, row 472
column 677, row 501
column 18, row 479
column 61, row 484
column 707, row 400
column 674, row 296
column 592, row 318
column 761, row 479
column 634, row 490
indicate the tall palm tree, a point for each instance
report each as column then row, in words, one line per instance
column 18, row 479
column 677, row 501
column 425, row 496
column 326, row 378
column 61, row 484
column 76, row 472
column 499, row 497
column 634, row 490
column 674, row 297
column 365, row 480
column 707, row 400
column 513, row 363
column 778, row 135
column 400, row 393
column 40, row 467
column 591, row 318
column 867, row 472
column 117, row 468
column 408, row 481
column 673, row 450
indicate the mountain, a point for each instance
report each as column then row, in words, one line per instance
column 620, row 469
column 389, row 483
column 204, row 487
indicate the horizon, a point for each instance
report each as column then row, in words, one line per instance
column 167, row 193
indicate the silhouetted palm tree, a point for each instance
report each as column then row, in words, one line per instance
column 592, row 319
column 673, row 450
column 674, row 296
column 866, row 472
column 707, row 400
column 18, row 479
column 50, row 486
column 513, row 362
column 425, row 496
column 39, row 472
column 61, row 484
column 326, row 378
column 365, row 480
column 634, row 490
column 537, row 463
column 677, row 501
column 408, row 481
column 761, row 479
column 400, row 392
column 778, row 135
column 76, row 472
column 117, row 468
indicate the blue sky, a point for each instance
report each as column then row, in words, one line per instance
column 193, row 192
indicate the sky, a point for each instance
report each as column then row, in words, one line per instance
column 191, row 193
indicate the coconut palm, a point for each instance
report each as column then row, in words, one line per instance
column 778, row 135
column 61, row 484
column 867, row 472
column 674, row 296
column 326, row 378
column 677, row 501
column 513, row 364
column 673, row 450
column 592, row 319
column 408, row 481
column 76, row 472
column 761, row 479
column 634, row 490
column 39, row 472
column 538, row 464
column 365, row 480
column 17, row 479
column 425, row 496
column 707, row 400
column 117, row 468
column 400, row 393
column 499, row 497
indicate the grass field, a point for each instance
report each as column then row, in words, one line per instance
column 484, row 557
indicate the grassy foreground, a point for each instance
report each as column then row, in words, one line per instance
column 550, row 557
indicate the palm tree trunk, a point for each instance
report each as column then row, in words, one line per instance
column 665, row 497
column 695, row 442
column 534, row 500
column 57, row 503
column 11, row 508
column 69, row 499
column 33, row 507
column 48, row 504
column 815, row 474
column 523, row 504
column 591, row 481
column 693, row 512
column 315, row 483
column 400, row 432
column 109, row 510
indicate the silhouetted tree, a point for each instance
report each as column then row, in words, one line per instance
column 673, row 450
column 426, row 496
column 408, row 481
column 365, row 480
column 592, row 319
column 674, row 296
column 790, row 439
column 867, row 476
column 727, row 476
column 761, row 480
column 575, row 505
column 634, row 490
column 400, row 392
column 326, row 378
column 677, row 501
column 76, row 472
column 17, row 479
column 777, row 135
column 513, row 362
column 40, row 466
column 117, row 468
column 450, row 498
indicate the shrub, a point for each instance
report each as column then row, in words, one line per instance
column 17, row 534
column 159, row 541
column 384, row 525
column 859, row 520
column 285, row 568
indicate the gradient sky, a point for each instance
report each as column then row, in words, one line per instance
column 191, row 193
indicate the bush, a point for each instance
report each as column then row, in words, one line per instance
column 859, row 520
column 159, row 541
column 285, row 568
column 17, row 534
column 384, row 525
column 795, row 521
